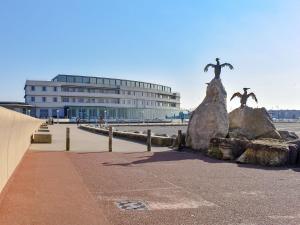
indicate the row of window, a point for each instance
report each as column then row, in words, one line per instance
column 107, row 81
column 108, row 100
column 148, row 94
column 89, row 90
column 107, row 91
column 44, row 88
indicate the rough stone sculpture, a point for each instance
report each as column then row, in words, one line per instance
column 251, row 123
column 270, row 153
column 227, row 148
column 210, row 118
column 217, row 67
column 244, row 97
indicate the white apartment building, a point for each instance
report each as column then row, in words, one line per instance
column 70, row 96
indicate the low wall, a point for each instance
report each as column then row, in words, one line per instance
column 155, row 140
column 15, row 132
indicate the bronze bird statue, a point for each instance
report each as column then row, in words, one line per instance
column 244, row 97
column 217, row 67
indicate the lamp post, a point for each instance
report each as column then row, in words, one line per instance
column 105, row 118
column 68, row 113
column 57, row 115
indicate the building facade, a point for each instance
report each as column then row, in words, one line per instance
column 72, row 96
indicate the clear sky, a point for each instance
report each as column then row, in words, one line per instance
column 161, row 41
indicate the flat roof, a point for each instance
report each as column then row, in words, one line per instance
column 15, row 104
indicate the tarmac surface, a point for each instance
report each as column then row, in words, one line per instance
column 84, row 187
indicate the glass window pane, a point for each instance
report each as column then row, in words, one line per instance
column 112, row 82
column 93, row 80
column 99, row 80
column 86, row 80
column 78, row 79
column 70, row 79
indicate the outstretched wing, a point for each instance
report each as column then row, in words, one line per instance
column 237, row 94
column 253, row 96
column 227, row 64
column 207, row 66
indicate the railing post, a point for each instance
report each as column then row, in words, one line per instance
column 179, row 138
column 110, row 134
column 68, row 139
column 148, row 140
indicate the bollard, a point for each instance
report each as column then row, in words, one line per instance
column 179, row 138
column 110, row 134
column 68, row 139
column 148, row 140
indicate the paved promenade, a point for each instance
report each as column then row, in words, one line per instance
column 83, row 141
column 84, row 186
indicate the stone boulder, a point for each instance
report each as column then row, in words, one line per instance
column 209, row 119
column 287, row 135
column 227, row 148
column 250, row 123
column 270, row 153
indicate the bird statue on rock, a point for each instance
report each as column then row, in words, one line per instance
column 244, row 97
column 217, row 67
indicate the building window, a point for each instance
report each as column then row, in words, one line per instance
column 86, row 80
column 112, row 82
column 62, row 78
column 33, row 99
column 43, row 99
column 55, row 99
column 93, row 80
column 54, row 88
column 99, row 81
column 65, row 99
column 70, row 79
column 106, row 81
column 32, row 88
column 44, row 88
column 118, row 82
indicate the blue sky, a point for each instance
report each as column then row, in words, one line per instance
column 161, row 41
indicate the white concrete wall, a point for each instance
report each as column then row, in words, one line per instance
column 15, row 132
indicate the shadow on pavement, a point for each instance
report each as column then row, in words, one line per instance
column 166, row 156
column 173, row 155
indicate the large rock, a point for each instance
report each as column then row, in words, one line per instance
column 250, row 123
column 227, row 148
column 209, row 119
column 270, row 153
column 288, row 135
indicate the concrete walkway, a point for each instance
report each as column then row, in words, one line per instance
column 83, row 141
column 83, row 187
column 47, row 190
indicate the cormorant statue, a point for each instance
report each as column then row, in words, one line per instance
column 244, row 97
column 217, row 67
